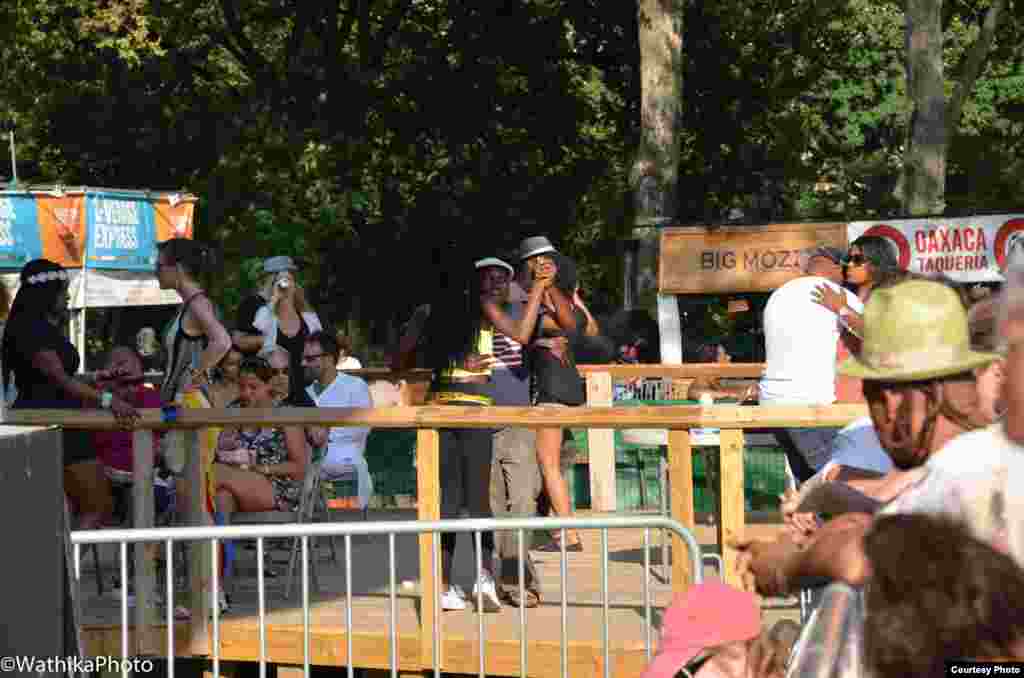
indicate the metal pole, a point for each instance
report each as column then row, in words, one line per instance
column 14, row 161
column 84, row 290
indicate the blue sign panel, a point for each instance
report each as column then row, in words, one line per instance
column 121, row 231
column 19, row 230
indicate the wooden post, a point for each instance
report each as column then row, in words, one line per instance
column 601, row 443
column 199, row 553
column 680, row 480
column 731, row 504
column 428, row 466
column 145, row 554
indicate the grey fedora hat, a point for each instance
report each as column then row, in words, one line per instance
column 279, row 264
column 531, row 247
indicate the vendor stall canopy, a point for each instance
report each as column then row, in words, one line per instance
column 112, row 233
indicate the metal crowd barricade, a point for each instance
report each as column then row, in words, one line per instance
column 390, row 529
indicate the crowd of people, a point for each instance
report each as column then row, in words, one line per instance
column 916, row 507
column 495, row 334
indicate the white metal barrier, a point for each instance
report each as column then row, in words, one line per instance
column 389, row 529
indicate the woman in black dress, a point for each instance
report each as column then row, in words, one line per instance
column 42, row 362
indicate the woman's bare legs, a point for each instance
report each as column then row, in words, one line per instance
column 549, row 458
column 251, row 491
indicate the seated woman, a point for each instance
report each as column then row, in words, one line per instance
column 124, row 369
column 265, row 466
column 714, row 352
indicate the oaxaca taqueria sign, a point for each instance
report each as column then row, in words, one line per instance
column 967, row 249
column 102, row 228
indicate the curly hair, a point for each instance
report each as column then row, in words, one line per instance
column 937, row 593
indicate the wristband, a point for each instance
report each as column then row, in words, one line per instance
column 106, row 399
column 169, row 414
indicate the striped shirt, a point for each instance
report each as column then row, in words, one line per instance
column 508, row 353
column 510, row 378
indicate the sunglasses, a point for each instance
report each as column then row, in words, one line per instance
column 254, row 362
column 855, row 260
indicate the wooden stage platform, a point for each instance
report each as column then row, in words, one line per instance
column 371, row 605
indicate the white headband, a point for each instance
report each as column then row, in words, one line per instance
column 49, row 276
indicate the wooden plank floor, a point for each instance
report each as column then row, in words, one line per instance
column 371, row 611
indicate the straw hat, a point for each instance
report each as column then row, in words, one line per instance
column 913, row 331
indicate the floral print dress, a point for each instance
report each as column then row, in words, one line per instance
column 269, row 447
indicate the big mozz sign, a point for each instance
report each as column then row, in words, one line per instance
column 738, row 258
column 761, row 258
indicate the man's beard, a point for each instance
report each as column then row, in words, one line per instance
column 310, row 375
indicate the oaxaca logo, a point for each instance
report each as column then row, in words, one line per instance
column 1009, row 242
column 896, row 237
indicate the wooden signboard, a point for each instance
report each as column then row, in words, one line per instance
column 737, row 258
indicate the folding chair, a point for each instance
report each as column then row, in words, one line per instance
column 304, row 514
column 124, row 511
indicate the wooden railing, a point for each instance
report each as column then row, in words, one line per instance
column 600, row 392
column 428, row 420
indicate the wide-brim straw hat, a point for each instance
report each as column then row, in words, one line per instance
column 914, row 331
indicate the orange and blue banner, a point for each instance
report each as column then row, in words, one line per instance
column 98, row 228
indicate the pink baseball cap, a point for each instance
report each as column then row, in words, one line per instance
column 705, row 615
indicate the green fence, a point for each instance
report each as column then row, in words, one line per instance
column 390, row 453
column 638, row 479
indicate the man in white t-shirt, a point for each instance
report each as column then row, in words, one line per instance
column 801, row 339
column 346, row 445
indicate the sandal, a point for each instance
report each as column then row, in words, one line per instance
column 182, row 613
column 512, row 596
column 554, row 546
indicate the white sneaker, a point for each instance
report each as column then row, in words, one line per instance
column 453, row 599
column 484, row 589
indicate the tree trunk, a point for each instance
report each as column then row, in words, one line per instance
column 654, row 175
column 923, row 184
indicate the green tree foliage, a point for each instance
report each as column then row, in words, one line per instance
column 357, row 135
column 365, row 136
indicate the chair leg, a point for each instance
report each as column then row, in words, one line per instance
column 334, row 550
column 99, row 569
column 295, row 554
column 667, row 513
column 314, row 574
